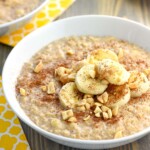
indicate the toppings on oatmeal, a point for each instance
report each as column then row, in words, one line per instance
column 38, row 67
column 87, row 84
column 51, row 88
column 69, row 95
column 138, row 83
column 44, row 88
column 112, row 71
column 118, row 134
column 22, row 92
column 63, row 74
column 86, row 118
column 100, row 54
column 115, row 111
column 67, row 114
column 105, row 78
column 103, row 98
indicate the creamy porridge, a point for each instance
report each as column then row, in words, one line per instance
column 13, row 9
column 87, row 88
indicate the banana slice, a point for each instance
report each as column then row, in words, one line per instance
column 118, row 95
column 86, row 81
column 100, row 54
column 112, row 71
column 69, row 95
column 138, row 83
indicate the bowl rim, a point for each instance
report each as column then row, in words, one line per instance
column 28, row 15
column 60, row 137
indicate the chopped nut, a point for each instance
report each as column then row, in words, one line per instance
column 86, row 118
column 62, row 71
column 97, row 114
column 87, row 106
column 22, row 92
column 70, row 52
column 92, row 74
column 97, row 104
column 105, row 115
column 103, row 98
column 109, row 113
column 90, row 101
column 87, row 96
column 67, row 114
column 55, row 122
column 81, row 108
column 104, row 108
column 81, row 103
column 38, row 67
column 72, row 119
column 97, row 110
column 146, row 71
column 120, row 54
column 118, row 134
column 44, row 88
column 115, row 111
column 51, row 88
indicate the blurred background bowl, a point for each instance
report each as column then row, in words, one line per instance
column 11, row 26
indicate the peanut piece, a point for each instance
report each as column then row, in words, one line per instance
column 72, row 119
column 104, row 108
column 38, row 67
column 44, row 88
column 105, row 115
column 118, row 135
column 109, row 113
column 97, row 110
column 22, row 92
column 51, row 88
column 115, row 111
column 67, row 114
column 103, row 98
column 86, row 118
column 98, row 115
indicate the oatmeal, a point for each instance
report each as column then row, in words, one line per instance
column 87, row 88
column 13, row 9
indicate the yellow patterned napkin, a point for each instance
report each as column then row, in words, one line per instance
column 52, row 10
column 11, row 133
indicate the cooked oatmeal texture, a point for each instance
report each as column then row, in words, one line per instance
column 43, row 81
column 13, row 9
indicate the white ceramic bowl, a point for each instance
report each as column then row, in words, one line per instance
column 81, row 25
column 15, row 24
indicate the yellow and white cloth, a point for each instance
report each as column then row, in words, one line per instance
column 11, row 133
column 51, row 11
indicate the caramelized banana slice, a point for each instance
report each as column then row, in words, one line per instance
column 100, row 54
column 138, row 83
column 69, row 95
column 87, row 82
column 112, row 71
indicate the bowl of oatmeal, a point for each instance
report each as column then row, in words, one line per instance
column 82, row 86
column 15, row 13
